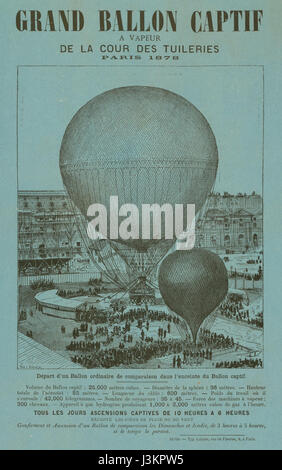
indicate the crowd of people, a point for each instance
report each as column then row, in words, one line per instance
column 192, row 355
column 146, row 346
column 92, row 315
column 217, row 341
column 42, row 284
column 242, row 363
column 110, row 338
column 140, row 353
column 95, row 316
column 67, row 294
column 84, row 346
column 143, row 314
column 234, row 309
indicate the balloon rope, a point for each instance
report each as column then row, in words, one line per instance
column 154, row 263
column 132, row 284
column 202, row 214
column 105, row 263
column 181, row 330
column 78, row 217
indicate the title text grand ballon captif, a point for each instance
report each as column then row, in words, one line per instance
column 141, row 20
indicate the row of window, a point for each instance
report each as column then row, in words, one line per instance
column 227, row 239
column 42, row 246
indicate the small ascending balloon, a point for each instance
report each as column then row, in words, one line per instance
column 193, row 283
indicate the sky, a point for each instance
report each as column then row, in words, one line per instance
column 230, row 98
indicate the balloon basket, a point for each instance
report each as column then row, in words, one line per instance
column 142, row 291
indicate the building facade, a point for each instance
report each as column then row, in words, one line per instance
column 49, row 239
column 48, row 236
column 231, row 223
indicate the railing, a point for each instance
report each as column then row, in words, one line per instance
column 59, row 278
column 234, row 283
column 242, row 283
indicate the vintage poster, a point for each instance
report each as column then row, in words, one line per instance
column 141, row 227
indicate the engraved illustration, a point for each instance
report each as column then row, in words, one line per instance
column 124, row 301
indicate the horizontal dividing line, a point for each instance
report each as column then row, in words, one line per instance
column 141, row 65
column 212, row 435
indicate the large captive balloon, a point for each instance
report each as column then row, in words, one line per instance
column 193, row 283
column 145, row 145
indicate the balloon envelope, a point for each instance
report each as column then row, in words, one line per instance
column 193, row 283
column 145, row 145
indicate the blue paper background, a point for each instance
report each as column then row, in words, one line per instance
column 237, row 49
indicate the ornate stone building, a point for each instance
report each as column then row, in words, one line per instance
column 48, row 238
column 231, row 222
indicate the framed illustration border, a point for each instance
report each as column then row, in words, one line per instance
column 21, row 66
